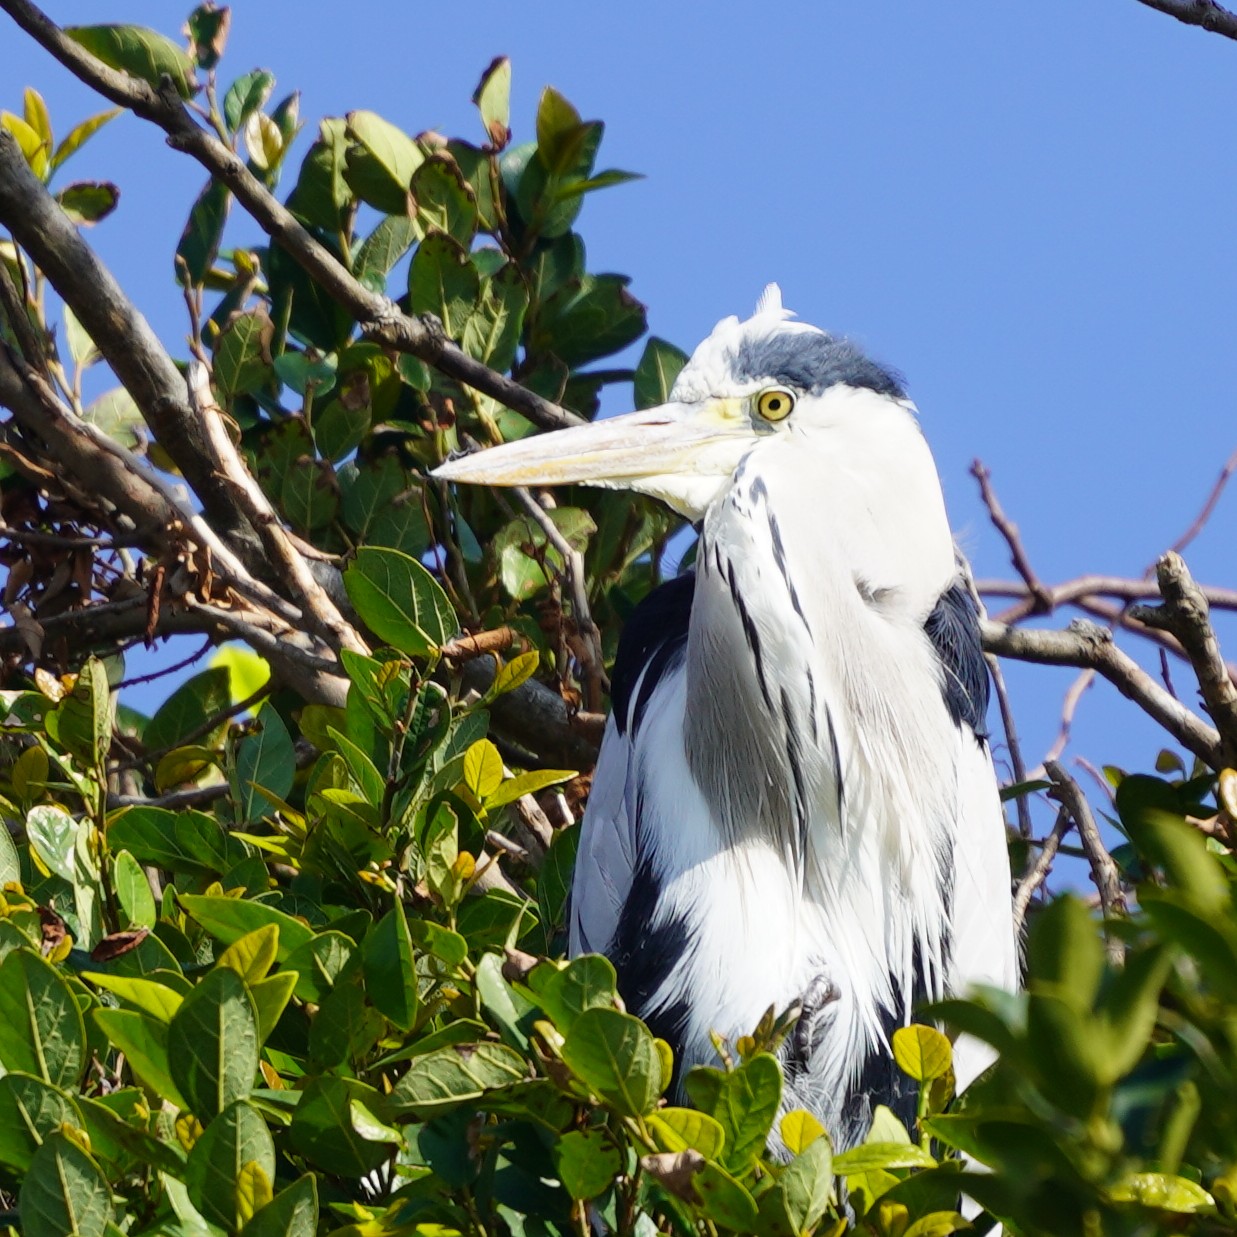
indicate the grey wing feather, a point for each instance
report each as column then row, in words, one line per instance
column 606, row 858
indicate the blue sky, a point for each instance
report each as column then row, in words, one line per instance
column 1024, row 207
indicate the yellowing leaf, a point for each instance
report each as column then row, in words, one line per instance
column 800, row 1130
column 254, row 954
column 253, row 1191
column 483, row 769
column 526, row 784
column 922, row 1052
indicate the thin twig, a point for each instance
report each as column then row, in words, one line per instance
column 1103, row 870
column 1200, row 520
column 466, row 647
column 1069, row 706
column 577, row 582
column 183, row 664
column 1009, row 530
column 1038, row 868
column 1017, row 764
column 320, row 611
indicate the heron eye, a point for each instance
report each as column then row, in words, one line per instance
column 775, row 404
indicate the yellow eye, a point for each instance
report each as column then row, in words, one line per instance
column 775, row 404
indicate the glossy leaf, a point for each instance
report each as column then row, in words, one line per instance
column 213, row 1043
column 41, row 1028
column 144, row 53
column 64, row 1192
column 399, row 601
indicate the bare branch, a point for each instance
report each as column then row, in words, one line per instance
column 573, row 561
column 1209, row 505
column 1086, row 645
column 1038, row 868
column 1009, row 530
column 123, row 336
column 1103, row 870
column 1085, row 588
column 1204, row 13
column 465, row 648
column 317, row 607
column 1069, row 706
column 1017, row 764
column 1186, row 615
column 381, row 319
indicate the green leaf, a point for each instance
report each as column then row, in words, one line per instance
column 199, row 242
column 1065, row 953
column 270, row 998
column 236, row 1137
column 922, row 1052
column 506, row 1006
column 148, row 995
column 318, row 962
column 80, row 134
column 678, row 1129
column 265, row 761
column 143, row 1040
column 615, row 1056
column 143, row 53
column 869, row 1157
column 242, row 360
column 323, row 1130
column 584, row 983
column 587, row 1162
column 438, row 1081
column 207, row 28
column 492, row 331
column 526, row 784
column 249, row 671
column 483, row 769
column 390, row 966
column 184, row 714
column 745, row 1102
column 41, row 1029
column 89, row 202
column 292, row 1213
column 64, row 1193
column 213, row 1043
column 30, row 1109
column 399, row 601
column 443, row 200
column 558, row 131
column 590, row 319
column 807, row 1184
column 380, row 165
column 181, row 841
column 116, row 413
column 526, row 560
column 383, row 248
column 723, row 1199
column 1163, row 1192
column 52, row 834
column 493, row 100
column 82, row 722
column 345, row 1028
column 252, row 955
column 133, row 891
column 655, row 374
column 229, row 919
column 443, row 281
column 246, row 96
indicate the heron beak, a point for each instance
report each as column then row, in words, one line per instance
column 680, row 453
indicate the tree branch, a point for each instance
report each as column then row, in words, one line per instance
column 1089, row 646
column 121, row 334
column 1186, row 615
column 1038, row 868
column 312, row 599
column 1204, row 13
column 380, row 318
column 1013, row 539
column 1104, row 871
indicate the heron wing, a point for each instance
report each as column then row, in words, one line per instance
column 982, row 945
column 650, row 650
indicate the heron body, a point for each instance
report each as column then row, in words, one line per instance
column 794, row 801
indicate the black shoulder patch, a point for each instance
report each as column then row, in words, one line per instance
column 655, row 636
column 953, row 628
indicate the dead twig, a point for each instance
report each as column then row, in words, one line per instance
column 1013, row 539
column 1038, row 868
column 1104, row 871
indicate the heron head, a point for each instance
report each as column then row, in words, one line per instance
column 747, row 382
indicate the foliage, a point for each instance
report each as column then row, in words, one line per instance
column 275, row 967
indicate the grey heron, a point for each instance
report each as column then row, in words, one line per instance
column 794, row 801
